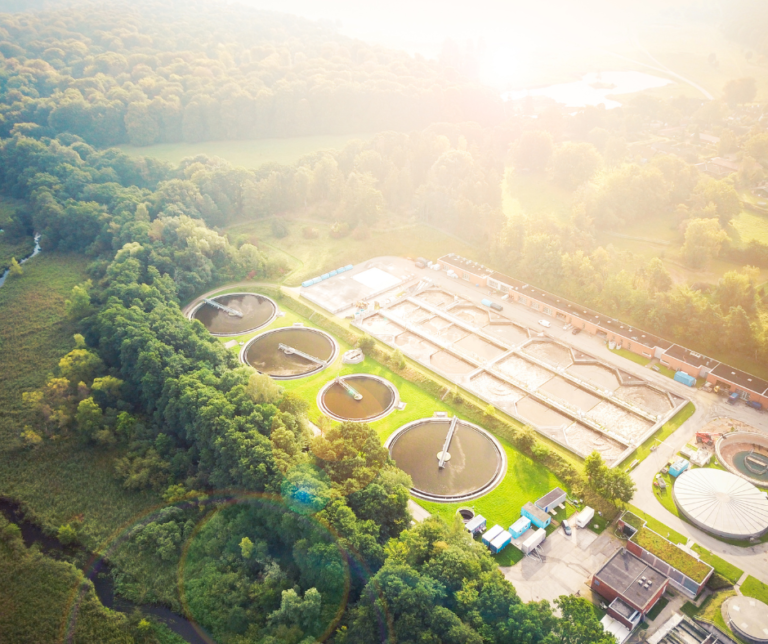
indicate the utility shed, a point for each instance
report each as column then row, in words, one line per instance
column 500, row 541
column 491, row 534
column 637, row 586
column 678, row 467
column 538, row 517
column 685, row 378
column 476, row 524
column 519, row 527
column 551, row 500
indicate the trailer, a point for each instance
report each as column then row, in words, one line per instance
column 500, row 541
column 584, row 517
column 534, row 541
column 491, row 534
column 755, row 405
column 678, row 467
column 685, row 378
column 519, row 527
column 476, row 525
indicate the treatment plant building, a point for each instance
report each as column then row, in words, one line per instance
column 671, row 355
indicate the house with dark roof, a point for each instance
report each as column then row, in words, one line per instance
column 630, row 586
column 551, row 500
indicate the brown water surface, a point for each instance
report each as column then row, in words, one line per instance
column 473, row 464
column 256, row 309
column 264, row 355
column 378, row 397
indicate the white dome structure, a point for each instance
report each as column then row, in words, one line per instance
column 721, row 503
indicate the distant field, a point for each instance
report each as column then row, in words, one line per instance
column 247, row 154
column 312, row 257
column 751, row 226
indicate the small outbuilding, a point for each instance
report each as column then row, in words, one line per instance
column 491, row 534
column 535, row 540
column 584, row 517
column 678, row 467
column 538, row 517
column 476, row 525
column 500, row 541
column 519, row 527
column 551, row 500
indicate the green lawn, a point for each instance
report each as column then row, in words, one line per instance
column 309, row 258
column 657, row 526
column 247, row 154
column 721, row 566
column 664, row 432
column 631, row 355
column 755, row 588
column 18, row 248
column 749, row 226
column 711, row 612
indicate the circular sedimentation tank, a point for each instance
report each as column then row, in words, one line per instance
column 747, row 617
column 241, row 313
column 721, row 503
column 357, row 397
column 291, row 352
column 474, row 465
column 745, row 454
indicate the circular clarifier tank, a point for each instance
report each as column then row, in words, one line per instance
column 474, row 465
column 291, row 352
column 234, row 313
column 357, row 397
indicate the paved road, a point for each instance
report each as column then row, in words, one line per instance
column 708, row 407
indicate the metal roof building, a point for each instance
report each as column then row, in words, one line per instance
column 722, row 503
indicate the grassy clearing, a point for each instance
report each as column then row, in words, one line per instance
column 246, row 154
column 60, row 480
column 509, row 556
column 664, row 432
column 631, row 355
column 598, row 524
column 19, row 249
column 754, row 588
column 535, row 194
column 749, row 226
column 312, row 257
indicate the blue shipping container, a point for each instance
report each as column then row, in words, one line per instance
column 348, row 267
column 678, row 467
column 332, row 273
column 485, row 302
column 519, row 527
column 686, row 379
column 307, row 283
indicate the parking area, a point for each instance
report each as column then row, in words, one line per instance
column 566, row 567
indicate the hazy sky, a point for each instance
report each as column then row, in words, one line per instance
column 511, row 35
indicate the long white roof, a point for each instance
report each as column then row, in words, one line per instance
column 722, row 502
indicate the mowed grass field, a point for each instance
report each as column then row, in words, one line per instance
column 309, row 258
column 525, row 481
column 60, row 480
column 247, row 154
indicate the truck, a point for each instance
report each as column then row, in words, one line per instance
column 491, row 305
column 685, row 378
column 733, row 398
column 755, row 405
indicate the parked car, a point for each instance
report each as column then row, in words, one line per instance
column 567, row 527
column 545, row 323
column 576, row 331
column 497, row 307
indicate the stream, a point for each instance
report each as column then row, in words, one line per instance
column 21, row 261
column 100, row 577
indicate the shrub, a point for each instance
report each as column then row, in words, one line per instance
column 398, row 359
column 366, row 344
column 339, row 230
column 718, row 582
column 279, row 228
